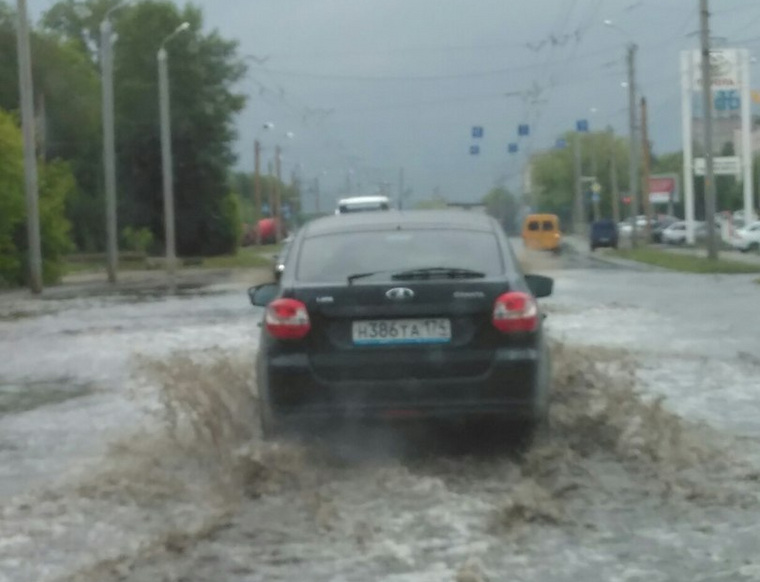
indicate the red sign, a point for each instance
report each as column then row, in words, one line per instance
column 661, row 190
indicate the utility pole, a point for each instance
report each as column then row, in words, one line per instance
column 257, row 186
column 579, row 220
column 30, row 156
column 614, row 176
column 167, row 163
column 647, row 163
column 712, row 246
column 633, row 145
column 270, row 197
column 615, row 190
column 109, row 148
column 401, row 188
column 594, row 189
column 316, row 195
column 278, row 196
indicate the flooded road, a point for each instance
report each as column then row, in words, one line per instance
column 129, row 449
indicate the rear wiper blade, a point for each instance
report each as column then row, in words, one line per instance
column 357, row 276
column 443, row 272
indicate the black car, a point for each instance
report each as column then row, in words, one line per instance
column 402, row 315
column 604, row 233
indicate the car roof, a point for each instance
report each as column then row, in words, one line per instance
column 363, row 199
column 458, row 219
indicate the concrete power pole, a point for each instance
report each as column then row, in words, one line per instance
column 712, row 246
column 633, row 170
column 401, row 188
column 257, row 186
column 614, row 177
column 595, row 176
column 578, row 208
column 109, row 149
column 167, row 165
column 647, row 163
column 278, row 196
column 30, row 156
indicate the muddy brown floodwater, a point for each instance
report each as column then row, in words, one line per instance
column 649, row 471
column 618, row 489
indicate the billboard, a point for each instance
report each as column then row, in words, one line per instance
column 725, row 69
column 663, row 189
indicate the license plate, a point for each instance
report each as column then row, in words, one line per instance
column 402, row 331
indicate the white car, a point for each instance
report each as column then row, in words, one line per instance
column 748, row 238
column 363, row 204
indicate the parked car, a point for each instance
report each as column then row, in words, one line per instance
column 402, row 315
column 604, row 233
column 659, row 227
column 541, row 232
column 675, row 234
column 748, row 238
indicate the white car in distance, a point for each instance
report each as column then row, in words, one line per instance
column 747, row 238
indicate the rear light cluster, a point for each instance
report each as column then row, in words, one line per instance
column 287, row 319
column 515, row 312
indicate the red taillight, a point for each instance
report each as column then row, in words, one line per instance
column 287, row 319
column 514, row 312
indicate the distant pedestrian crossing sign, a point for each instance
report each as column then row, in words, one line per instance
column 512, row 148
column 474, row 150
column 477, row 132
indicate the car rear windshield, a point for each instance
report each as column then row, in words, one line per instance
column 334, row 257
column 548, row 225
column 363, row 207
column 533, row 226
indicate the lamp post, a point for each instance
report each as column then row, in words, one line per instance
column 166, row 152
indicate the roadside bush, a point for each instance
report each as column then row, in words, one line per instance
column 56, row 184
column 139, row 240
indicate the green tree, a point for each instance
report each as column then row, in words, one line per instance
column 68, row 111
column 56, row 183
column 502, row 205
column 554, row 175
column 11, row 199
column 203, row 70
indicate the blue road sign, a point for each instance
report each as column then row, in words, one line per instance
column 474, row 150
column 265, row 208
column 477, row 132
column 513, row 148
column 286, row 211
column 727, row 100
column 523, row 129
column 582, row 125
column 561, row 144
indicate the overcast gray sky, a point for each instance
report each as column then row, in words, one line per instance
column 392, row 83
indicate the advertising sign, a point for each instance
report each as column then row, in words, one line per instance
column 662, row 189
column 723, row 166
column 725, row 69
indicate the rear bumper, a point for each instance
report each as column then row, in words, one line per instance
column 515, row 386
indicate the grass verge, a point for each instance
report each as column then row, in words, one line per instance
column 245, row 258
column 685, row 263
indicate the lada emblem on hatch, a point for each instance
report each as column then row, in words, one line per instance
column 399, row 294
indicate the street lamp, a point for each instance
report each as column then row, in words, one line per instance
column 166, row 152
column 633, row 160
column 109, row 148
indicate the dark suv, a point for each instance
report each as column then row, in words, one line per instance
column 604, row 233
column 391, row 315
